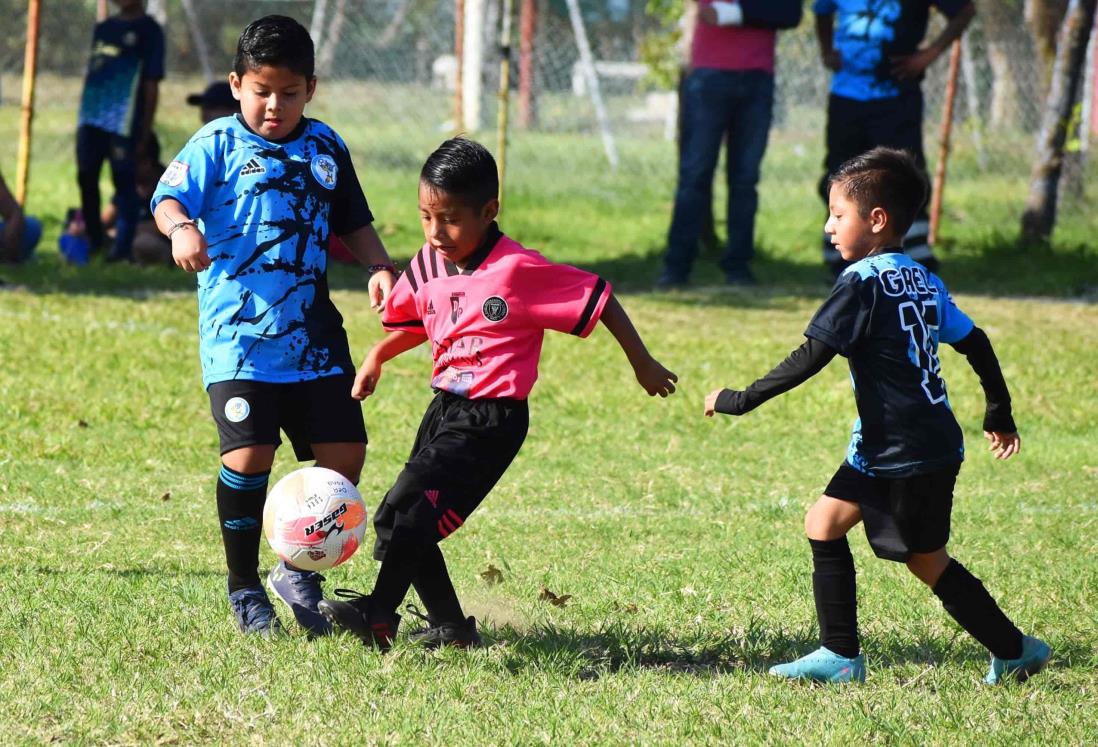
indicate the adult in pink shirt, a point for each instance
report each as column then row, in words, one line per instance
column 483, row 302
column 728, row 95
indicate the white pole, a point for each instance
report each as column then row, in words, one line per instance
column 968, row 69
column 472, row 63
column 199, row 40
column 587, row 64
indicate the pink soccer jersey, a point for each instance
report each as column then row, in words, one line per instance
column 486, row 322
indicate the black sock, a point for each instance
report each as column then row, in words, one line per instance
column 240, row 509
column 835, row 590
column 400, row 566
column 968, row 602
column 435, row 589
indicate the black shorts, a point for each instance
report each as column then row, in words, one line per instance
column 461, row 450
column 318, row 411
column 901, row 515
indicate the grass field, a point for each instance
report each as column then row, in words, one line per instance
column 678, row 538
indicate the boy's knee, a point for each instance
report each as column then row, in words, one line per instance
column 346, row 459
column 928, row 567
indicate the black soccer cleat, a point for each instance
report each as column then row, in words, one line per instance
column 437, row 635
column 375, row 628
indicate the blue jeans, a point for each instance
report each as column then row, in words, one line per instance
column 716, row 104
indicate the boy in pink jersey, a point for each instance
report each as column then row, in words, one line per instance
column 484, row 302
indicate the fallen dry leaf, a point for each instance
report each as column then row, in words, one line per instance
column 167, row 496
column 553, row 599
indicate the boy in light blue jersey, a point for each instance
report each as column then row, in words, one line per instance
column 887, row 315
column 249, row 205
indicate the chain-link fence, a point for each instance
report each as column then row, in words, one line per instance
column 387, row 71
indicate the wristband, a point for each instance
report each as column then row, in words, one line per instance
column 181, row 224
column 379, row 267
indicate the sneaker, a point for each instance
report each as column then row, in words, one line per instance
column 669, row 282
column 1035, row 655
column 254, row 612
column 300, row 590
column 437, row 635
column 373, row 627
column 823, row 665
column 741, row 276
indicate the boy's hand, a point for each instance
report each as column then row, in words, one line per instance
column 655, row 378
column 911, row 66
column 189, row 249
column 366, row 379
column 379, row 287
column 711, row 402
column 1005, row 445
column 832, row 60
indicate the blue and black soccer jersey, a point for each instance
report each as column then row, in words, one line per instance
column 886, row 315
column 869, row 33
column 266, row 209
column 125, row 52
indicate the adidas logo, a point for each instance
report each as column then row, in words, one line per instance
column 430, row 307
column 253, row 167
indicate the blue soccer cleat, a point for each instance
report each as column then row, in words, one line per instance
column 823, row 665
column 300, row 590
column 254, row 612
column 1035, row 655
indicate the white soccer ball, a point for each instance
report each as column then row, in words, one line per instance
column 314, row 518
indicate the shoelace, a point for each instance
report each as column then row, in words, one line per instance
column 350, row 594
column 306, row 581
column 413, row 610
column 252, row 610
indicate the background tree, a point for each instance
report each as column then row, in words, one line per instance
column 1039, row 217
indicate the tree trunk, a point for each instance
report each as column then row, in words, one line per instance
column 1000, row 22
column 1039, row 217
column 1044, row 18
column 325, row 56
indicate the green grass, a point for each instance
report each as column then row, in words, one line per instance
column 679, row 538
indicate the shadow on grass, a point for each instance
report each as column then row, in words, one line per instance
column 616, row 646
column 141, row 572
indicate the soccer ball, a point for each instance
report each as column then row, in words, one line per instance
column 314, row 518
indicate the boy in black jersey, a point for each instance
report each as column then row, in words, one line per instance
column 886, row 315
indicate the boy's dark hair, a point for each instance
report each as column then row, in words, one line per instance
column 276, row 41
column 465, row 169
column 885, row 178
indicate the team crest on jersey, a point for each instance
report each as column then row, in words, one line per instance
column 325, row 170
column 253, row 168
column 174, row 175
column 495, row 309
column 237, row 409
column 129, row 38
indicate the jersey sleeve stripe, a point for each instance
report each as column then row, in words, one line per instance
column 592, row 303
column 423, row 267
column 411, row 278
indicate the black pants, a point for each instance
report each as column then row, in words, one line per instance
column 853, row 127
column 461, row 450
column 93, row 146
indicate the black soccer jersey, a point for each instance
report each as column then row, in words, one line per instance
column 887, row 315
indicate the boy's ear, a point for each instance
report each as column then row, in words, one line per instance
column 310, row 89
column 234, row 84
column 490, row 209
column 878, row 220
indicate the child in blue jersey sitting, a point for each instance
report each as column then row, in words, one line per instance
column 248, row 205
column 887, row 315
